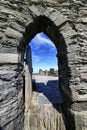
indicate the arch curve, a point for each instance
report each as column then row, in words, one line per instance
column 46, row 25
column 63, row 37
column 40, row 24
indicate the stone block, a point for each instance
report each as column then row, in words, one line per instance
column 7, row 43
column 9, row 67
column 10, row 49
column 17, row 27
column 6, row 75
column 8, row 58
column 80, row 120
column 60, row 20
column 3, row 25
column 84, row 76
column 82, row 60
column 12, row 13
column 69, row 34
column 54, row 15
column 82, row 20
column 79, row 106
column 48, row 11
column 65, row 27
column 11, row 33
column 35, row 10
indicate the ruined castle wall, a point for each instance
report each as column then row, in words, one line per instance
column 70, row 18
column 11, row 81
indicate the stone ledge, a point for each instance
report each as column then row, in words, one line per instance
column 11, row 49
column 72, row 94
column 8, row 58
column 79, row 106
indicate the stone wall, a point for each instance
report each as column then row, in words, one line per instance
column 11, row 81
column 11, row 99
column 65, row 22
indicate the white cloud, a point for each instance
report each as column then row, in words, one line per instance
column 35, row 58
column 41, row 39
column 45, row 40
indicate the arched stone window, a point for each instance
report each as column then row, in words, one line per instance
column 44, row 24
column 63, row 36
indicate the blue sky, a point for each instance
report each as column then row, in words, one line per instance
column 43, row 53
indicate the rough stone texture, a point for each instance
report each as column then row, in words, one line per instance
column 8, row 58
column 45, row 111
column 17, row 123
column 80, row 120
column 65, row 22
column 11, row 99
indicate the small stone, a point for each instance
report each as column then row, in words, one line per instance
column 13, row 34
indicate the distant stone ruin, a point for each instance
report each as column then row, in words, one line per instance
column 50, row 72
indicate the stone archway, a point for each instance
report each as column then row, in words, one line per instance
column 60, row 31
column 63, row 34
